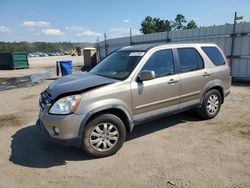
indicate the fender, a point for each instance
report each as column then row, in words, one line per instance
column 217, row 84
column 102, row 108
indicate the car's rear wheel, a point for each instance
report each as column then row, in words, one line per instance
column 211, row 104
column 103, row 136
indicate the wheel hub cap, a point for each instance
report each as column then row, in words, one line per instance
column 104, row 136
column 213, row 104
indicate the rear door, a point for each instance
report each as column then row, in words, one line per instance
column 160, row 95
column 193, row 76
column 220, row 69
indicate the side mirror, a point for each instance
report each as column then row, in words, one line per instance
column 146, row 75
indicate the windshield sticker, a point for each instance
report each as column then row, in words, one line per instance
column 136, row 53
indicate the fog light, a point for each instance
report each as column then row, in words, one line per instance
column 56, row 131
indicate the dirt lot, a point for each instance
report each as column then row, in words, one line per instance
column 180, row 151
column 41, row 65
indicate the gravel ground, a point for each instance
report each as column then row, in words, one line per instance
column 178, row 151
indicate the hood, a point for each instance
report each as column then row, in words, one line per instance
column 76, row 83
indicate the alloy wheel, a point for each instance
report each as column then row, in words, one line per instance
column 104, row 136
column 213, row 104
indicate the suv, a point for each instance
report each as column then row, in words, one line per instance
column 132, row 85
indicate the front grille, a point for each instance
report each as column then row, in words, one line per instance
column 44, row 100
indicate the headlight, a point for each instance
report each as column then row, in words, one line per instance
column 66, row 105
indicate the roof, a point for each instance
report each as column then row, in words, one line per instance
column 142, row 47
column 146, row 47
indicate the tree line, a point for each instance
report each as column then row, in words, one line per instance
column 36, row 46
column 154, row 25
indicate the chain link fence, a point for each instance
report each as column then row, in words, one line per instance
column 234, row 42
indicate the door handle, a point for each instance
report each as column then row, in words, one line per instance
column 206, row 74
column 172, row 81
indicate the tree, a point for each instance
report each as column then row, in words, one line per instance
column 162, row 25
column 191, row 25
column 147, row 25
column 179, row 22
column 153, row 25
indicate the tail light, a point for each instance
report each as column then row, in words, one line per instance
column 228, row 61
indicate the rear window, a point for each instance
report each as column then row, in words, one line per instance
column 214, row 55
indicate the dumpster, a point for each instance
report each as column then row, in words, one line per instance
column 89, row 56
column 14, row 60
column 65, row 67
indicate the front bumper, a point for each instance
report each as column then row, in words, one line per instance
column 65, row 142
column 62, row 129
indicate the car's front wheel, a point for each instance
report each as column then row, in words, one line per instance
column 103, row 136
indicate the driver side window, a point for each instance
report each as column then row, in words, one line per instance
column 161, row 62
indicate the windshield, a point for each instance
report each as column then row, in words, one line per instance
column 118, row 65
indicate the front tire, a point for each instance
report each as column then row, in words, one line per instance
column 103, row 136
column 211, row 105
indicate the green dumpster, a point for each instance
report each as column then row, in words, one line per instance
column 15, row 60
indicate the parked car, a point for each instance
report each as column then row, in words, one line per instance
column 33, row 54
column 96, row 109
column 30, row 55
column 57, row 53
column 43, row 55
column 51, row 54
column 66, row 53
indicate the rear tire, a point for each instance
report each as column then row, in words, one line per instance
column 103, row 136
column 211, row 105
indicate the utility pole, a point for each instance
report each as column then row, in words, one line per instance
column 130, row 36
column 233, row 35
column 105, row 44
column 168, row 39
column 98, row 56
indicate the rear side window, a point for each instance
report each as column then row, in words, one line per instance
column 162, row 62
column 190, row 59
column 214, row 55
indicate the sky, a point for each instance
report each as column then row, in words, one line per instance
column 84, row 21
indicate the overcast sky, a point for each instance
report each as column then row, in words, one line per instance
column 85, row 20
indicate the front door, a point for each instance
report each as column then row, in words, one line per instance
column 160, row 95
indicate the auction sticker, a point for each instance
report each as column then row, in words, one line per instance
column 136, row 53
